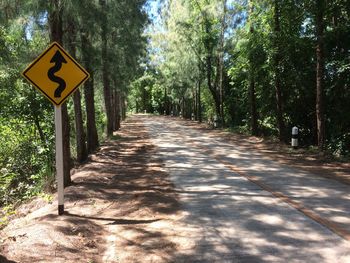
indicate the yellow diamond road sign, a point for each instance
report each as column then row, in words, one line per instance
column 56, row 74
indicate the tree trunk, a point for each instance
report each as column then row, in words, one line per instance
column 199, row 83
column 277, row 62
column 92, row 137
column 253, row 111
column 56, row 34
column 117, row 109
column 221, row 63
column 123, row 105
column 199, row 110
column 105, row 69
column 252, row 95
column 208, row 60
column 37, row 125
column 40, row 130
column 182, row 107
column 165, row 101
column 113, row 112
column 320, row 5
column 195, row 103
column 144, row 99
column 212, row 89
column 116, row 105
column 78, row 115
column 82, row 153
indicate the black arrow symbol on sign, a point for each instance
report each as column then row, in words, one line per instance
column 58, row 59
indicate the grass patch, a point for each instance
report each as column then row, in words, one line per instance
column 5, row 215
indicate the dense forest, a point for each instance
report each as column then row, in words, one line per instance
column 254, row 66
column 258, row 66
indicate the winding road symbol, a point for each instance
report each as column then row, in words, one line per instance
column 56, row 74
column 58, row 59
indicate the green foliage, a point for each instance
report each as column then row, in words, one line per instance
column 5, row 214
column 26, row 165
column 145, row 94
column 184, row 49
column 26, row 161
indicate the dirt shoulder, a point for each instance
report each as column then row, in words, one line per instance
column 112, row 210
column 302, row 159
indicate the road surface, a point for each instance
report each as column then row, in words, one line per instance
column 244, row 207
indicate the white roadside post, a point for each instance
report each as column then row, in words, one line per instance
column 59, row 159
column 295, row 132
column 216, row 124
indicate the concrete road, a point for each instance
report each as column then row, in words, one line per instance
column 241, row 206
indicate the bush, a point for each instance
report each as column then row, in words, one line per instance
column 25, row 165
column 340, row 145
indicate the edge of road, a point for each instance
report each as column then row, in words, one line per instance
column 317, row 164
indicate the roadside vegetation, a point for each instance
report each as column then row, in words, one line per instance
column 257, row 66
column 105, row 37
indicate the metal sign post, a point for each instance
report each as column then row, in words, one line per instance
column 59, row 159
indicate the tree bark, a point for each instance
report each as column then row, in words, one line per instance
column 40, row 130
column 122, row 105
column 252, row 95
column 56, row 34
column 113, row 111
column 320, row 6
column 208, row 59
column 195, row 103
column 105, row 70
column 92, row 136
column 144, row 99
column 116, row 105
column 117, row 109
column 199, row 83
column 82, row 153
column 211, row 87
column 78, row 115
column 253, row 111
column 37, row 123
column 165, row 101
column 199, row 110
column 221, row 63
column 277, row 63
